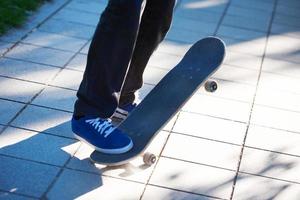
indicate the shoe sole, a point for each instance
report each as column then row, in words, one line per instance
column 108, row 151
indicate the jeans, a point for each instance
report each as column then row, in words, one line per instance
column 122, row 44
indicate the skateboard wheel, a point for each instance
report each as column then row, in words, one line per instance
column 149, row 158
column 211, row 86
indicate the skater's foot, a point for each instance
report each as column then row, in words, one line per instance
column 101, row 134
column 122, row 112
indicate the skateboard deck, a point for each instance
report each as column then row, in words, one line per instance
column 167, row 98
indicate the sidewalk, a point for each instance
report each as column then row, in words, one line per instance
column 242, row 142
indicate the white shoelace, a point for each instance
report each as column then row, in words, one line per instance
column 101, row 126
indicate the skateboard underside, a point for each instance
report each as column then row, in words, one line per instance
column 167, row 97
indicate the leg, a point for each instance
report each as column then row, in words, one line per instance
column 155, row 23
column 108, row 57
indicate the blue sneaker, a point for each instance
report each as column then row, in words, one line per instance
column 101, row 134
column 123, row 111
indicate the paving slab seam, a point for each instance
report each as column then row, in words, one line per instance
column 279, row 129
column 34, row 28
column 252, row 8
column 282, row 74
column 29, row 160
column 19, row 79
column 243, row 28
column 213, row 116
column 204, row 138
column 39, row 83
column 253, row 102
column 223, row 98
column 48, row 47
column 269, row 177
column 75, row 37
column 240, row 67
column 42, row 132
column 198, row 163
column 188, row 192
column 277, row 108
column 271, row 151
column 231, row 81
column 33, row 62
column 160, row 154
column 18, row 194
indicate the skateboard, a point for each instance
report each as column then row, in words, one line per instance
column 166, row 99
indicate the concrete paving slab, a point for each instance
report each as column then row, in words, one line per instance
column 35, row 146
column 281, row 67
column 40, row 55
column 55, row 41
column 268, row 188
column 278, row 140
column 278, row 99
column 66, row 28
column 78, row 62
column 287, row 10
column 164, row 60
column 215, row 6
column 280, row 82
column 270, row 164
column 232, row 90
column 86, row 48
column 198, row 14
column 211, row 128
column 8, row 110
column 289, row 3
column 25, row 177
column 5, row 46
column 217, row 107
column 70, row 79
column 196, row 150
column 190, row 177
column 153, row 75
column 22, row 91
column 185, row 36
column 88, row 186
column 260, row 25
column 285, row 30
column 276, row 118
column 267, row 5
column 239, row 33
column 158, row 193
column 57, row 98
column 45, row 120
column 237, row 74
column 254, row 47
column 27, row 71
column 286, row 20
column 194, row 25
column 77, row 17
column 242, row 60
column 96, row 7
column 247, row 11
column 283, row 48
column 11, row 196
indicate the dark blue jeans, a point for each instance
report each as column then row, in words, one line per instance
column 120, row 49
